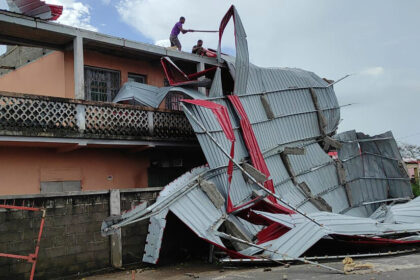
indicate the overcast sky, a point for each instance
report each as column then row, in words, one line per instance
column 376, row 41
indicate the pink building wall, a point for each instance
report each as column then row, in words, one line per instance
column 23, row 168
column 53, row 74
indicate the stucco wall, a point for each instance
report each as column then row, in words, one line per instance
column 23, row 168
column 43, row 76
column 153, row 71
column 53, row 75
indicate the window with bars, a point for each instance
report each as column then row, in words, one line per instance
column 172, row 101
column 101, row 84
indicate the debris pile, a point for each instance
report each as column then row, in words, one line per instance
column 270, row 191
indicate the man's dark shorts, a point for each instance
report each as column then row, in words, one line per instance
column 175, row 42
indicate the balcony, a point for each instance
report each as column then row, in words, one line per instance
column 41, row 116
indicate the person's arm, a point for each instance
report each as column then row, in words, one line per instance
column 185, row 30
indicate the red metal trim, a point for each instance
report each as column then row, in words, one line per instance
column 166, row 71
column 201, row 73
column 20, row 208
column 252, row 145
column 165, row 62
column 12, row 256
column 222, row 116
column 31, row 258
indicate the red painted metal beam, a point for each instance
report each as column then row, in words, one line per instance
column 31, row 258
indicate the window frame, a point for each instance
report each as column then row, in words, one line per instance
column 110, row 95
column 137, row 75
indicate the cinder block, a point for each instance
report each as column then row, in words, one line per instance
column 85, row 257
column 50, row 231
column 18, row 268
column 76, row 228
column 75, row 249
column 21, row 246
column 55, row 252
column 97, row 246
column 11, row 236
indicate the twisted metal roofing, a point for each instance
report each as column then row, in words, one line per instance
column 289, row 115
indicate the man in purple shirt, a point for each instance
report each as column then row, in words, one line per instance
column 173, row 38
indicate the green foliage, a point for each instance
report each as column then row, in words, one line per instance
column 416, row 189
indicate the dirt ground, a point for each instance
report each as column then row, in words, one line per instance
column 397, row 267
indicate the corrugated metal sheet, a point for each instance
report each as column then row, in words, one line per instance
column 404, row 213
column 154, row 237
column 150, row 96
column 216, row 86
column 35, row 8
column 374, row 168
column 344, row 224
column 285, row 108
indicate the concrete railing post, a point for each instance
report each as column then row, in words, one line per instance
column 79, row 77
column 150, row 122
column 81, row 117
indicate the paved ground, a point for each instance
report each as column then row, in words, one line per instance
column 397, row 267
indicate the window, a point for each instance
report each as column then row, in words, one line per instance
column 136, row 78
column 101, row 84
column 60, row 186
column 173, row 99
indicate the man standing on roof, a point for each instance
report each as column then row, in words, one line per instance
column 173, row 38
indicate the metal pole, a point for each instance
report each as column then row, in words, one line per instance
column 243, row 170
column 35, row 256
column 230, row 237
column 206, row 31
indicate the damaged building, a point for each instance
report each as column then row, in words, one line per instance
column 270, row 191
column 242, row 153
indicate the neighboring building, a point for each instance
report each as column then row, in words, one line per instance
column 58, row 129
column 413, row 168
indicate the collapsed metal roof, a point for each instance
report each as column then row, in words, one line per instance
column 270, row 181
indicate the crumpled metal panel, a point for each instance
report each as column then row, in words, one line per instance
column 295, row 242
column 242, row 55
column 344, row 224
column 216, row 86
column 154, row 237
column 294, row 112
column 197, row 211
column 274, row 79
column 304, row 234
column 150, row 96
column 286, row 108
column 34, row 8
column 403, row 213
column 374, row 169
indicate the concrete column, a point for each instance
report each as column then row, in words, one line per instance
column 79, row 74
column 200, row 67
column 116, row 245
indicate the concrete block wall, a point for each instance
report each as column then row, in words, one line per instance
column 132, row 245
column 71, row 242
column 17, row 56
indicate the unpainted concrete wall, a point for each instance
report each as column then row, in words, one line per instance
column 16, row 56
column 71, row 243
